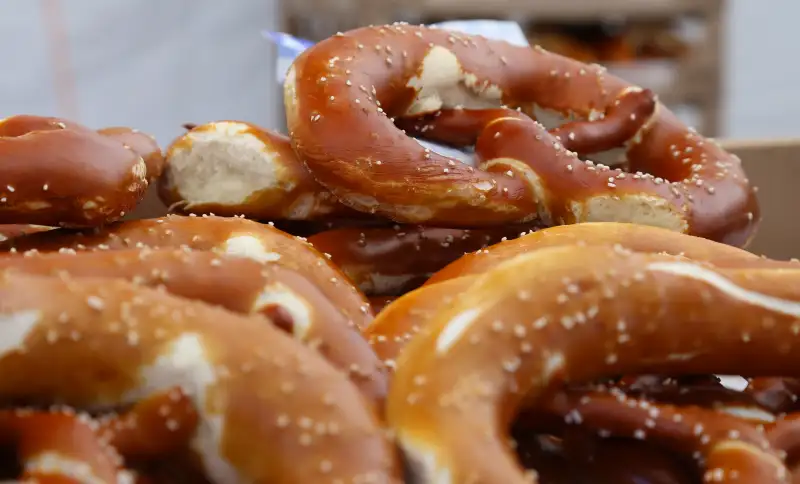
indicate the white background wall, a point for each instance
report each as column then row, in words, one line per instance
column 763, row 69
column 155, row 64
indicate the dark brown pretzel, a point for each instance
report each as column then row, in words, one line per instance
column 579, row 314
column 392, row 261
column 343, row 94
column 58, row 173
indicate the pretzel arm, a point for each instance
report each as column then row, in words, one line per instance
column 572, row 315
column 460, row 127
column 228, row 236
column 634, row 237
column 726, row 446
column 58, row 447
column 288, row 298
column 623, row 120
column 159, row 425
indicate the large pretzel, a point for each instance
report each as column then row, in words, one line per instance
column 342, row 96
column 288, row 298
column 60, row 173
column 268, row 408
column 638, row 238
column 232, row 236
column 578, row 314
column 236, row 168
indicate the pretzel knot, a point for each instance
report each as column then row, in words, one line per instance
column 344, row 95
column 581, row 314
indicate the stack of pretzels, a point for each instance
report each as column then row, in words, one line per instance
column 344, row 305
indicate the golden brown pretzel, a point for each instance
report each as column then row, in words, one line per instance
column 269, row 409
column 59, row 173
column 236, row 168
column 392, row 261
column 288, row 298
column 342, row 94
column 638, row 238
column 232, row 236
column 578, row 314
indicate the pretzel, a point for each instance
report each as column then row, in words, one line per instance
column 289, row 299
column 392, row 261
column 237, row 168
column 232, row 236
column 143, row 144
column 638, row 238
column 579, row 314
column 63, row 174
column 342, row 94
column 269, row 409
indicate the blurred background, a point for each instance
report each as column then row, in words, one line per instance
column 156, row 64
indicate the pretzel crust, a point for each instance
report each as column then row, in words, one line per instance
column 268, row 412
column 343, row 94
column 289, row 299
column 573, row 304
column 231, row 236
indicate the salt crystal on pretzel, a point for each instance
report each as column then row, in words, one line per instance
column 343, row 94
column 579, row 314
